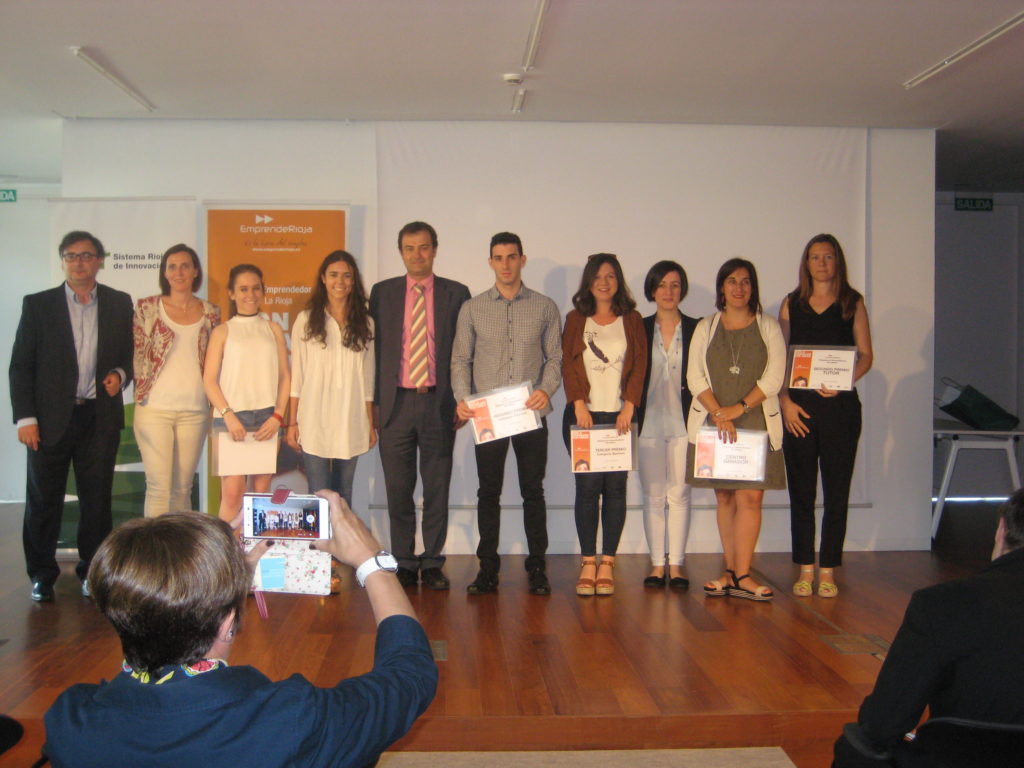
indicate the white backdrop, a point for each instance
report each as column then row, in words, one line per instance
column 695, row 193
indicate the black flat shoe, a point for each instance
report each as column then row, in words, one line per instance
column 432, row 578
column 539, row 584
column 484, row 584
column 655, row 582
column 407, row 578
column 42, row 592
column 679, row 582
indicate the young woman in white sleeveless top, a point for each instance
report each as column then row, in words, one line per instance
column 246, row 377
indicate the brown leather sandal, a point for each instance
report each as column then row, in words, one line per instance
column 586, row 587
column 605, row 586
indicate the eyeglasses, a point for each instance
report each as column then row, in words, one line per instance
column 83, row 257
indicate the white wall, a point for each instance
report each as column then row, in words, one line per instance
column 897, row 443
column 699, row 194
column 28, row 257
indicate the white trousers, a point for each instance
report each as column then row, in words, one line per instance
column 170, row 443
column 662, row 463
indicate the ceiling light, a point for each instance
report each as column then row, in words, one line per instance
column 533, row 43
column 517, row 101
column 82, row 55
column 967, row 50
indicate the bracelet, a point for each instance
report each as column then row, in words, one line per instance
column 225, row 411
column 278, row 416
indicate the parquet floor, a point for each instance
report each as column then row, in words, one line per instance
column 642, row 669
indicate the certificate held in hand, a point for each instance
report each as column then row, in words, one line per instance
column 502, row 413
column 812, row 367
column 244, row 457
column 602, row 449
column 743, row 460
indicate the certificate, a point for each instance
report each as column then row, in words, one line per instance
column 244, row 457
column 602, row 449
column 743, row 460
column 502, row 413
column 814, row 367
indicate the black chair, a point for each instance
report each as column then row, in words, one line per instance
column 941, row 742
column 952, row 742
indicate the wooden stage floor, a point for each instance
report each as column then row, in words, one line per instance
column 643, row 669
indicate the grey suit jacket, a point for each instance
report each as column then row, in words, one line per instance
column 387, row 307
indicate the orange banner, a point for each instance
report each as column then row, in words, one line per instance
column 288, row 246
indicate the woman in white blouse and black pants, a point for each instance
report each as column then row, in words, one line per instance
column 332, row 377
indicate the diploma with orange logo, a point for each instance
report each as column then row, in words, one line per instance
column 502, row 413
column 743, row 460
column 602, row 449
column 814, row 367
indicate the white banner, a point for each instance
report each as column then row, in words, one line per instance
column 134, row 232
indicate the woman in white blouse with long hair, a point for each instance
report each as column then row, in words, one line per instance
column 332, row 377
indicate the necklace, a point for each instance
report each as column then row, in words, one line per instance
column 734, row 369
column 180, row 307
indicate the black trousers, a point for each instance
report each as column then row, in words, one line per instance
column 531, row 449
column 415, row 426
column 834, row 426
column 92, row 452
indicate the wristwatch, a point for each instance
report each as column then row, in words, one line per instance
column 382, row 561
column 746, row 408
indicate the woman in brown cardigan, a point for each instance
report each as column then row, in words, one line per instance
column 604, row 353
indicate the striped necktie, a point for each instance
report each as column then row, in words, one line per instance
column 418, row 370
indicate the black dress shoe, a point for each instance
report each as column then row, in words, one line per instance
column 432, row 578
column 539, row 584
column 679, row 582
column 406, row 577
column 656, row 582
column 484, row 583
column 42, row 592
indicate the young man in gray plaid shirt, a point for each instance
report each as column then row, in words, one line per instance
column 507, row 335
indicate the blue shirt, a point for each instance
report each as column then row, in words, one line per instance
column 84, row 324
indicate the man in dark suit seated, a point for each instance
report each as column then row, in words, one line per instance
column 71, row 360
column 414, row 319
column 957, row 652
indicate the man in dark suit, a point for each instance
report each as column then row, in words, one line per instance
column 414, row 319
column 71, row 360
column 957, row 652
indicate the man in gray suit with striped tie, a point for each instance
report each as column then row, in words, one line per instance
column 414, row 327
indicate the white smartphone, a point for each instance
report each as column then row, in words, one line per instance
column 301, row 516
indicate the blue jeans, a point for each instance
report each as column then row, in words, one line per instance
column 334, row 474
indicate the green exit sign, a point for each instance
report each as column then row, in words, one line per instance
column 974, row 204
column 8, row 195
